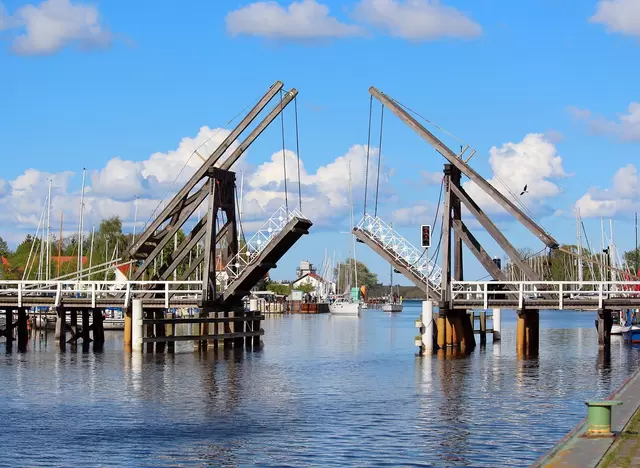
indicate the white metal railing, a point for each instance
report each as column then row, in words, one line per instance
column 401, row 249
column 249, row 252
column 117, row 292
column 560, row 291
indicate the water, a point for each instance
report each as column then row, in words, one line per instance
column 323, row 391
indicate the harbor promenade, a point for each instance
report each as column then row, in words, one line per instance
column 622, row 449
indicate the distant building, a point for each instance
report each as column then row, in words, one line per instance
column 304, row 269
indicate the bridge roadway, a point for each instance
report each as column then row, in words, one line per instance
column 550, row 295
column 553, row 295
column 99, row 294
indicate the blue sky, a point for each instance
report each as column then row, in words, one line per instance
column 84, row 83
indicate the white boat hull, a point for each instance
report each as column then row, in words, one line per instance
column 395, row 307
column 345, row 308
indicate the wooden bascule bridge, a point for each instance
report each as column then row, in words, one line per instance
column 230, row 268
column 453, row 325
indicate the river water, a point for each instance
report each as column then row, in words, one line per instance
column 323, row 390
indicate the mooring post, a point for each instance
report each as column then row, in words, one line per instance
column 136, row 326
column 605, row 322
column 497, row 324
column 8, row 314
column 127, row 329
column 427, row 327
column 23, row 332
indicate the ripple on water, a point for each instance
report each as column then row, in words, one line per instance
column 323, row 391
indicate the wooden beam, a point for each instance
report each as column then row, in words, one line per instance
column 494, row 232
column 445, row 290
column 464, row 168
column 226, row 165
column 213, row 158
column 478, row 251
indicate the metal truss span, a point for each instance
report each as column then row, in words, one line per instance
column 401, row 251
column 250, row 252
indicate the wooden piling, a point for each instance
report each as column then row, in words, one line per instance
column 238, row 327
column 605, row 322
column 98, row 330
column 8, row 314
column 483, row 327
column 521, row 342
column 23, row 332
column 442, row 332
column 128, row 332
column 448, row 332
column 148, row 314
column 169, row 331
column 532, row 332
column 160, row 331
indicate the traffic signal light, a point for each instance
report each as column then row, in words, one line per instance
column 426, row 235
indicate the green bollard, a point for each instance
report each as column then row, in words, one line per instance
column 599, row 417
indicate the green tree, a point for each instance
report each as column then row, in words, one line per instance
column 4, row 248
column 279, row 288
column 365, row 276
column 306, row 288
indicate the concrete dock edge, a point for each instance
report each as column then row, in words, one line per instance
column 575, row 450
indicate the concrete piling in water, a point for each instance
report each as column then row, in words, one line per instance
column 427, row 328
column 136, row 326
column 497, row 324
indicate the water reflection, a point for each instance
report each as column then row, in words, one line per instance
column 323, row 391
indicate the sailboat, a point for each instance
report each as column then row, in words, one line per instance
column 390, row 304
column 345, row 304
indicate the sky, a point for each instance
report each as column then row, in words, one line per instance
column 544, row 91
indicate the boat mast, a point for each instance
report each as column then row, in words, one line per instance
column 48, row 273
column 93, row 234
column 579, row 234
column 60, row 243
column 81, row 224
column 352, row 242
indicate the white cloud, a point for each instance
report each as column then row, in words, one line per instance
column 417, row 19
column 111, row 190
column 622, row 198
column 626, row 128
column 533, row 162
column 418, row 213
column 306, row 20
column 619, row 16
column 53, row 25
column 431, row 178
column 325, row 193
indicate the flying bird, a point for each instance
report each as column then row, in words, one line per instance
column 524, row 190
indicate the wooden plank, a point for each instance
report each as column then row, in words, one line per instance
column 246, row 318
column 219, row 336
column 478, row 251
column 445, row 289
column 200, row 173
column 464, row 168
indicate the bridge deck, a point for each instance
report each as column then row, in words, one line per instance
column 265, row 260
